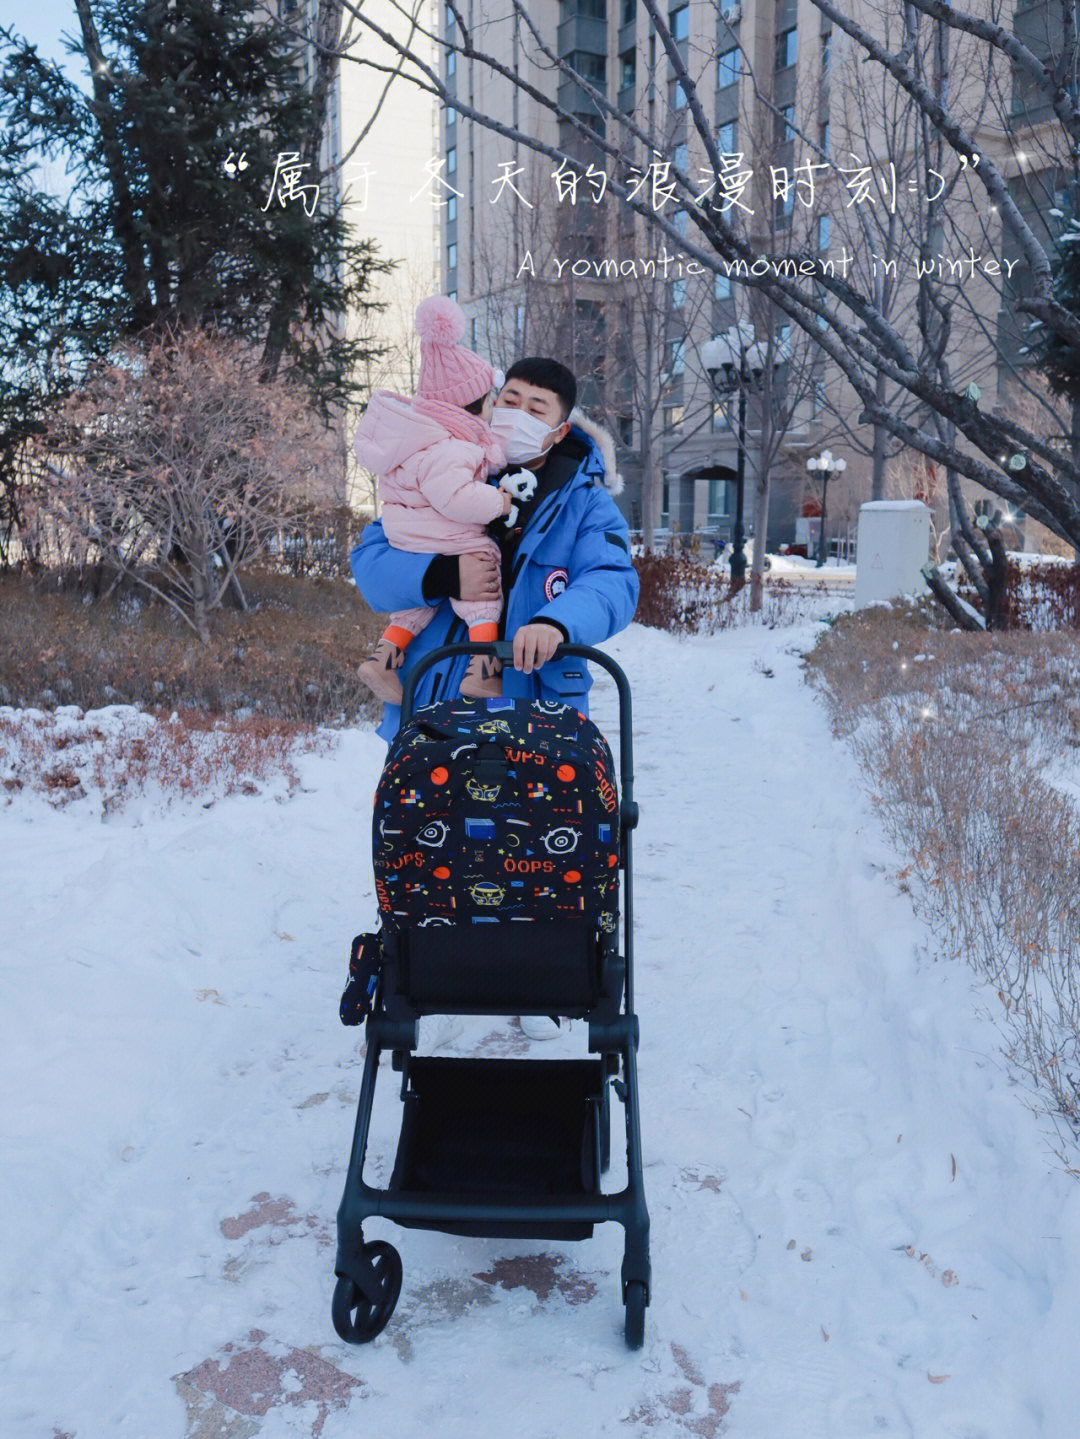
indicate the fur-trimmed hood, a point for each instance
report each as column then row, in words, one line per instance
column 605, row 443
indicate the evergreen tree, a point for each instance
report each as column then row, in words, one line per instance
column 173, row 216
column 1055, row 355
column 54, row 287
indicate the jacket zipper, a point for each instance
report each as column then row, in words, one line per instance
column 453, row 636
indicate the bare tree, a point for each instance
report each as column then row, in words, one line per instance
column 175, row 462
column 840, row 316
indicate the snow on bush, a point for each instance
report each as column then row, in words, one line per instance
column 120, row 751
column 973, row 746
column 682, row 597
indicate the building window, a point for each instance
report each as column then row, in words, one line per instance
column 681, row 156
column 625, row 426
column 452, row 294
column 785, row 124
column 785, row 48
column 678, row 294
column 589, row 67
column 725, row 138
column 627, row 69
column 451, row 209
column 728, row 67
column 826, row 52
column 451, row 160
column 785, row 205
column 678, row 97
column 451, row 62
column 451, row 256
column 450, row 22
column 722, row 287
column 679, row 23
column 676, row 359
column 678, row 221
column 718, row 500
column 817, row 398
column 673, row 417
column 451, row 116
column 473, row 332
column 823, row 137
column 823, row 227
column 629, row 11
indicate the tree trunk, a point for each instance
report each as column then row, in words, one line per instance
column 199, row 595
column 997, row 574
column 950, row 602
column 327, row 36
column 877, row 481
column 649, row 506
column 123, row 204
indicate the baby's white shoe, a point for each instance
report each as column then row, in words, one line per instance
column 540, row 1026
column 438, row 1031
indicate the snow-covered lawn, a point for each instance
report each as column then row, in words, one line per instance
column 856, row 1225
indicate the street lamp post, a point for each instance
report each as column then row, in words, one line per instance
column 826, row 466
column 734, row 362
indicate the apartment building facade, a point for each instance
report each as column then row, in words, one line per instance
column 814, row 164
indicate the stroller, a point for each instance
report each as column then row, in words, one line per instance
column 498, row 842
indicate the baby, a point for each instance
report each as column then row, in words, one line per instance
column 432, row 455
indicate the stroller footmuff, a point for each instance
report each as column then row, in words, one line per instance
column 499, row 841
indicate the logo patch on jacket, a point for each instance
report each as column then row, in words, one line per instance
column 555, row 583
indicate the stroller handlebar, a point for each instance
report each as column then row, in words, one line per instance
column 504, row 650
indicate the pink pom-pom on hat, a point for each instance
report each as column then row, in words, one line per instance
column 448, row 371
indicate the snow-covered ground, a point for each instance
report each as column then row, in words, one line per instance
column 857, row 1229
column 798, row 567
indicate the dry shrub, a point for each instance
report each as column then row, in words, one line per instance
column 684, row 597
column 318, row 547
column 1043, row 596
column 176, row 461
column 121, row 752
column 971, row 742
column 292, row 656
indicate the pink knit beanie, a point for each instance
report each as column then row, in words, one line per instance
column 448, row 371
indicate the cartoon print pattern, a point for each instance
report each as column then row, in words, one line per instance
column 497, row 810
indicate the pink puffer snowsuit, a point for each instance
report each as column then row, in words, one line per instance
column 432, row 460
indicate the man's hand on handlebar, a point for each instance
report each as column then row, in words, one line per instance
column 534, row 645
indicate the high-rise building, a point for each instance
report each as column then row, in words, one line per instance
column 815, row 165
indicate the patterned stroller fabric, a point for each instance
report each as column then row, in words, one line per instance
column 497, row 810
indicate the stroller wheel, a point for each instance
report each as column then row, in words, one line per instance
column 635, row 1314
column 356, row 1319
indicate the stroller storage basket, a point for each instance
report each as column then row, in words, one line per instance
column 500, row 847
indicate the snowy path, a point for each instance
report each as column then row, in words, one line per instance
column 856, row 1228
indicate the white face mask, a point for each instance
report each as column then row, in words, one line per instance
column 522, row 434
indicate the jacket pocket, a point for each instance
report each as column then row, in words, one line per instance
column 566, row 680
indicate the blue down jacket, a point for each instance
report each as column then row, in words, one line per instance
column 572, row 565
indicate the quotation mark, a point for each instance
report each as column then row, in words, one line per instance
column 234, row 165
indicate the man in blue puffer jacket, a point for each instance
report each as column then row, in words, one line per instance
column 566, row 567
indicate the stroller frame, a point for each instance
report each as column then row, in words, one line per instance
column 369, row 1273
